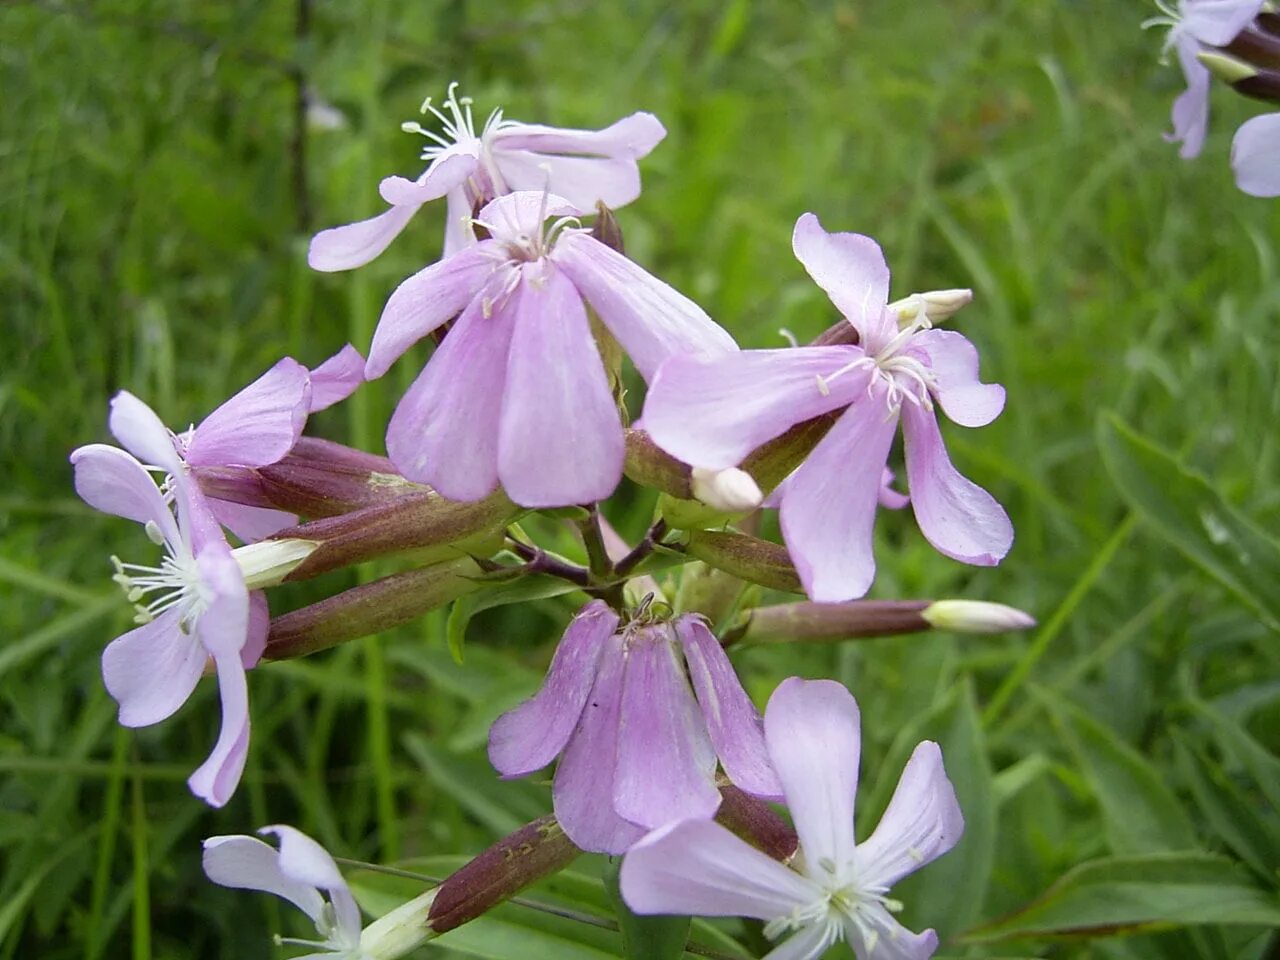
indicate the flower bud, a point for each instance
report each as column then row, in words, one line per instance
column 414, row 521
column 828, row 622
column 708, row 591
column 730, row 491
column 607, row 229
column 651, row 466
column 268, row 562
column 938, row 305
column 755, row 822
column 370, row 608
column 757, row 561
column 526, row 856
column 1226, row 68
column 976, row 616
column 401, row 931
column 1256, row 46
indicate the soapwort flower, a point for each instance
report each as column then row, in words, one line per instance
column 834, row 889
column 711, row 412
column 638, row 745
column 259, row 425
column 470, row 169
column 1255, row 156
column 1193, row 26
column 517, row 393
column 193, row 606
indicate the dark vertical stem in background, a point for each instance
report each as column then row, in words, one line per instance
column 298, row 146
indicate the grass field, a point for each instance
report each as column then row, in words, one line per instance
column 156, row 196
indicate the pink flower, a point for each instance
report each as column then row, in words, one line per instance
column 470, row 169
column 1255, row 156
column 711, row 412
column 835, row 889
column 192, row 607
column 256, row 427
column 1193, row 26
column 303, row 873
column 517, row 393
column 637, row 747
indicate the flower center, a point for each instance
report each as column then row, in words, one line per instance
column 335, row 939
column 154, row 590
column 904, row 376
column 840, row 905
column 459, row 129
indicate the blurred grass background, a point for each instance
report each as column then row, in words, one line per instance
column 156, row 195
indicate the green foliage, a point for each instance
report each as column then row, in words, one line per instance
column 152, row 236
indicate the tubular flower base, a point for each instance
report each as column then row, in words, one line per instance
column 835, row 889
column 637, row 748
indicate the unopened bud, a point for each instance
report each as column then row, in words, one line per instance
column 755, row 822
column 708, row 591
column 415, row 521
column 1255, row 45
column 1226, row 68
column 267, row 562
column 749, row 558
column 830, row 622
column 938, row 305
column 651, row 466
column 774, row 461
column 513, row 863
column 730, row 491
column 976, row 616
column 404, row 929
column 370, row 608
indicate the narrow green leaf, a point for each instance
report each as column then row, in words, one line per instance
column 1132, row 894
column 1231, row 816
column 1140, row 813
column 1194, row 517
column 1261, row 765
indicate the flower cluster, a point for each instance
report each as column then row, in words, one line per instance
column 1237, row 41
column 522, row 412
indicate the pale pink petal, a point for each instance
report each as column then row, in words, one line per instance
column 246, row 863
column 1255, row 156
column 613, row 181
column 582, row 793
column 224, row 624
column 560, row 439
column 256, row 636
column 633, row 136
column 519, row 216
column 251, row 524
column 698, row 867
column 735, row 728
column 337, row 378
column 888, row 497
column 425, row 301
column 151, row 670
column 110, row 480
column 651, row 320
column 1216, row 22
column 712, row 412
column 957, row 516
column 216, row 779
column 812, row 730
column 829, row 505
column 807, row 943
column 458, row 232
column 954, row 362
column 304, row 860
column 851, row 269
column 666, row 764
column 1191, row 107
column 921, row 823
column 529, row 737
column 142, row 433
column 258, row 425
column 355, row 244
column 445, row 430
column 893, row 941
column 447, row 172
